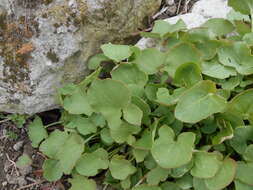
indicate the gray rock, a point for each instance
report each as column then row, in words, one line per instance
column 46, row 43
column 201, row 12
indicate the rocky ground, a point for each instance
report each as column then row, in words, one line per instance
column 14, row 141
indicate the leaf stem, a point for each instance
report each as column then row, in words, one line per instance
column 52, row 124
column 91, row 137
column 251, row 17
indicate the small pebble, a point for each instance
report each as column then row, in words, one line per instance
column 4, row 183
column 18, row 145
column 170, row 2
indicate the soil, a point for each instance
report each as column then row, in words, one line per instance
column 14, row 141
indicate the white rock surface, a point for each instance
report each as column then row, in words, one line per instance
column 200, row 13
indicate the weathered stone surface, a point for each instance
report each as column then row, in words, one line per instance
column 46, row 43
column 200, row 13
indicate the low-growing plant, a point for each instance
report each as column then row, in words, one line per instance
column 175, row 117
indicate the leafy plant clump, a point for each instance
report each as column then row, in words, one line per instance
column 175, row 117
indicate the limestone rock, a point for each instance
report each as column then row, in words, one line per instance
column 46, row 43
column 200, row 13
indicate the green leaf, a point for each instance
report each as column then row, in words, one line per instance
column 90, row 163
column 206, row 164
column 129, row 74
column 180, row 54
column 185, row 182
column 242, row 135
column 242, row 186
column 53, row 143
column 139, row 155
column 70, row 152
column 80, row 182
column 242, row 105
column 248, row 154
column 226, row 132
column 116, row 52
column 124, row 132
column 109, row 97
column 202, row 99
column 164, row 97
column 126, row 184
column 23, row 161
column 224, row 176
column 77, row 103
column 244, row 173
column 214, row 69
column 243, row 6
column 237, row 55
column 172, row 154
column 94, row 61
column 219, row 26
column 106, row 136
column 121, row 168
column 163, row 29
column 187, row 75
column 208, row 48
column 199, row 184
column 156, row 175
column 36, row 132
column 145, row 142
column 85, row 126
column 170, row 186
column 248, row 38
column 52, row 170
column 146, row 187
column 179, row 172
column 133, row 114
column 150, row 60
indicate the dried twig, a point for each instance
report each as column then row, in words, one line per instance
column 12, row 164
column 30, row 185
column 179, row 5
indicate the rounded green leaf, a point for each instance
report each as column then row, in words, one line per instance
column 53, row 143
column 36, row 132
column 90, row 163
column 179, row 172
column 124, row 132
column 156, row 175
column 180, row 54
column 146, row 187
column 214, row 69
column 129, row 74
column 116, row 52
column 187, row 75
column 224, row 176
column 150, row 60
column 199, row 102
column 248, row 154
column 24, row 161
column 170, row 186
column 133, row 114
column 95, row 61
column 242, row 105
column 206, row 164
column 219, row 26
column 77, row 103
column 243, row 6
column 52, row 170
column 121, row 168
column 244, row 173
column 109, row 97
column 242, row 135
column 70, row 152
column 80, row 182
column 242, row 186
column 199, row 184
column 169, row 153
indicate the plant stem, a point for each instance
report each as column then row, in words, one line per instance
column 52, row 124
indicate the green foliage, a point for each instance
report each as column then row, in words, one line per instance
column 176, row 117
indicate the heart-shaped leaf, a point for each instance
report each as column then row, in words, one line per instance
column 52, row 170
column 90, row 163
column 244, row 173
column 133, row 114
column 70, row 152
column 169, row 153
column 116, row 52
column 121, row 168
column 109, row 97
column 37, row 132
column 187, row 75
column 206, row 164
column 224, row 176
column 79, row 182
column 202, row 99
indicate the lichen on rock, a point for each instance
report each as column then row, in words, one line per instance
column 46, row 43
